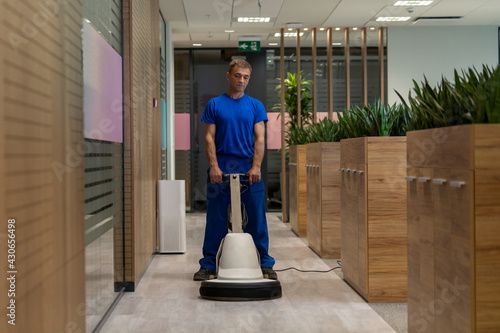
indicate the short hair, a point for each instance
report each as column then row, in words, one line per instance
column 240, row 63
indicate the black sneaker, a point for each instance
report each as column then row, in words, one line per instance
column 204, row 274
column 269, row 273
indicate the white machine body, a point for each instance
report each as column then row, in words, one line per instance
column 240, row 259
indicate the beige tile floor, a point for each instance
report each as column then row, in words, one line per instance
column 167, row 299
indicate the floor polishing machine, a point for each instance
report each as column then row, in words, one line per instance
column 239, row 275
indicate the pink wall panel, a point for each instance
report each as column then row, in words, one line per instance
column 274, row 130
column 102, row 88
column 182, row 131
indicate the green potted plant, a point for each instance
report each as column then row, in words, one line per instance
column 296, row 138
column 295, row 133
column 375, row 119
column 453, row 179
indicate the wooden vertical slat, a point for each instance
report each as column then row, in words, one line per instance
column 314, row 79
column 141, row 162
column 128, row 139
column 347, row 56
column 282, row 113
column 41, row 165
column 299, row 79
column 381, row 69
column 364, row 68
column 329, row 72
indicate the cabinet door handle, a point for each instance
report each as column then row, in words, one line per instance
column 292, row 163
column 341, row 170
column 438, row 181
column 410, row 178
column 457, row 184
column 359, row 172
column 352, row 171
column 423, row 179
column 307, row 165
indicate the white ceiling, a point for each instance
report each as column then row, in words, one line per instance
column 204, row 21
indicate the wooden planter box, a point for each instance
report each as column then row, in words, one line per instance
column 454, row 229
column 323, row 198
column 298, row 190
column 373, row 217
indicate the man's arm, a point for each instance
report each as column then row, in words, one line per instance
column 259, row 131
column 215, row 171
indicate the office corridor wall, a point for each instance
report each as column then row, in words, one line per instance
column 41, row 167
column 142, row 160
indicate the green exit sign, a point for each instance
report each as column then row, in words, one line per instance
column 249, row 45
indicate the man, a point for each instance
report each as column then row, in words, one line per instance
column 234, row 135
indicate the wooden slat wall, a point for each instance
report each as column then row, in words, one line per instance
column 141, row 132
column 339, row 100
column 41, row 163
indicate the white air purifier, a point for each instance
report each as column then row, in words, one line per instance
column 172, row 216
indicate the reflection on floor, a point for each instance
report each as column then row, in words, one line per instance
column 167, row 299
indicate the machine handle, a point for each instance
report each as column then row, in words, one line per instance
column 438, row 181
column 457, row 184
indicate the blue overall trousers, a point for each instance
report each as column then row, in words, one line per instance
column 218, row 200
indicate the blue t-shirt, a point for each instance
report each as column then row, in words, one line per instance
column 234, row 121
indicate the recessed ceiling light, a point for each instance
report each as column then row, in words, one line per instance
column 305, row 29
column 254, row 19
column 393, row 18
column 355, row 28
column 321, row 29
column 337, row 28
column 336, row 43
column 412, row 3
column 372, row 28
column 288, row 34
column 273, row 44
column 228, row 30
column 196, row 44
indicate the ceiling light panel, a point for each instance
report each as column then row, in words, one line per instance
column 288, row 34
column 268, row 11
column 253, row 19
column 245, row 36
column 393, row 18
column 413, row 3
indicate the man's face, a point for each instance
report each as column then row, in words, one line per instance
column 238, row 78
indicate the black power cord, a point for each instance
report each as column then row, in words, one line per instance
column 309, row 271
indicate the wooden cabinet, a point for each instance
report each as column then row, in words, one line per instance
column 373, row 217
column 453, row 186
column 298, row 190
column 323, row 198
